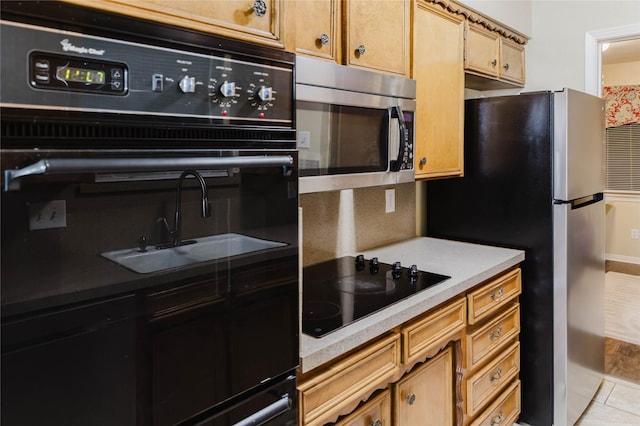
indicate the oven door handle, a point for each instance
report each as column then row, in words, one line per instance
column 113, row 165
column 267, row 413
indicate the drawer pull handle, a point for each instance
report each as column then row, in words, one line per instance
column 377, row 422
column 497, row 375
column 497, row 296
column 411, row 398
column 497, row 420
column 495, row 334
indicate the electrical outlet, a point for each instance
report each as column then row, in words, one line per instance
column 52, row 214
column 304, row 139
column 634, row 234
column 390, row 200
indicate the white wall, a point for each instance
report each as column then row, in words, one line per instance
column 556, row 51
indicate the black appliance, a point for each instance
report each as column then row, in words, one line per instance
column 534, row 173
column 340, row 291
column 149, row 223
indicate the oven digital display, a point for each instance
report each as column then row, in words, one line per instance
column 50, row 71
column 81, row 75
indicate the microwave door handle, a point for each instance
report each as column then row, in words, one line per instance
column 396, row 113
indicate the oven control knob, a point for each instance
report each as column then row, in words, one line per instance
column 187, row 84
column 228, row 89
column 374, row 265
column 396, row 270
column 265, row 94
column 360, row 262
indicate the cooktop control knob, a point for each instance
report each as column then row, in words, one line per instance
column 228, row 89
column 360, row 262
column 413, row 273
column 396, row 270
column 374, row 265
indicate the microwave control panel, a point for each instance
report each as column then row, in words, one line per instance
column 81, row 72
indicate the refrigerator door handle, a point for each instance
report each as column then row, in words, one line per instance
column 582, row 202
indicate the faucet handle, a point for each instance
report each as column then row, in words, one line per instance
column 166, row 224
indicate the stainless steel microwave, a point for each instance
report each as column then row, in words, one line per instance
column 355, row 127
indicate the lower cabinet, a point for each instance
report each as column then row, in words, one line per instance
column 425, row 396
column 448, row 366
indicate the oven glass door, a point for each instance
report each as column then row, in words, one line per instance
column 100, row 327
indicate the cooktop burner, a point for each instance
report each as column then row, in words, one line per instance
column 338, row 292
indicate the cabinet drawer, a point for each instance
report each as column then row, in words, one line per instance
column 483, row 386
column 486, row 300
column 489, row 339
column 504, row 411
column 376, row 411
column 432, row 330
column 341, row 385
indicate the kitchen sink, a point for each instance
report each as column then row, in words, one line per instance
column 204, row 249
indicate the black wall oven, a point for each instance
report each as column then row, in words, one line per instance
column 149, row 263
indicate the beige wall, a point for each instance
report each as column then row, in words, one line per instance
column 340, row 223
column 623, row 215
column 625, row 74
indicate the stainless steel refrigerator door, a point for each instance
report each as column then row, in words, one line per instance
column 578, row 145
column 578, row 307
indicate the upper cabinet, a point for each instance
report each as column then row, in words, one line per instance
column 437, row 67
column 362, row 33
column 255, row 21
column 492, row 61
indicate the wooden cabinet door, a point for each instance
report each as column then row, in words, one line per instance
column 377, row 35
column 482, row 51
column 317, row 27
column 439, row 73
column 376, row 412
column 425, row 396
column 512, row 61
column 247, row 20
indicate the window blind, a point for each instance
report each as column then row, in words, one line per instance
column 623, row 157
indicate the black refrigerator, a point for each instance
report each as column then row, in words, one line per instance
column 534, row 176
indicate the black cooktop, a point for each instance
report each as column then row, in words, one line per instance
column 338, row 292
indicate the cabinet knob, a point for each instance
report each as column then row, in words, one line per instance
column 411, row 398
column 494, row 63
column 496, row 376
column 498, row 419
column 495, row 334
column 324, row 39
column 495, row 295
column 506, row 67
column 259, row 7
column 376, row 422
column 360, row 50
column 423, row 161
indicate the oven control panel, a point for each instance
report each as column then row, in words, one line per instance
column 55, row 69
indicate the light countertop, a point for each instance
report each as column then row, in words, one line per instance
column 467, row 264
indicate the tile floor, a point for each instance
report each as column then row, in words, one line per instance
column 617, row 403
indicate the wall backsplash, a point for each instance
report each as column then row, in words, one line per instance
column 339, row 223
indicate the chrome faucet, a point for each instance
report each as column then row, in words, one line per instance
column 176, row 232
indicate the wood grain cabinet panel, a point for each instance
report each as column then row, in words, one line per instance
column 489, row 339
column 491, row 297
column 317, row 28
column 438, row 68
column 237, row 19
column 375, row 412
column 482, row 51
column 484, row 385
column 512, row 63
column 338, row 388
column 504, row 411
column 425, row 396
column 428, row 333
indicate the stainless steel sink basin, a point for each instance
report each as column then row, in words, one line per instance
column 204, row 249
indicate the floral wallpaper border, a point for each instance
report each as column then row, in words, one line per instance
column 622, row 105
